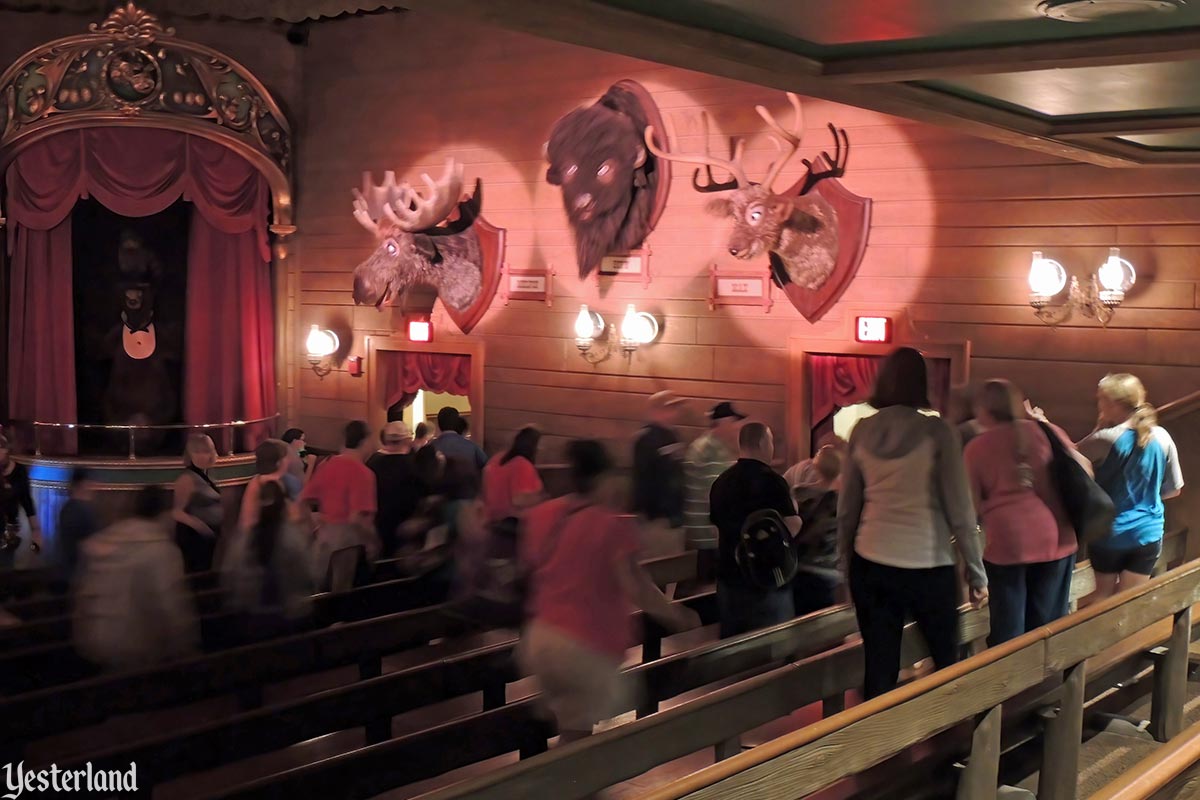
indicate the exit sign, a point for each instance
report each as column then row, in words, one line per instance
column 873, row 329
column 420, row 330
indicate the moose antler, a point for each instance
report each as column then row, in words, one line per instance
column 402, row 206
column 787, row 141
column 731, row 165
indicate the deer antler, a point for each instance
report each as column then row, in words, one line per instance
column 732, row 165
column 402, row 206
column 837, row 162
column 788, row 142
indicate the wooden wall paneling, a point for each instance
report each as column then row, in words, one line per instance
column 955, row 221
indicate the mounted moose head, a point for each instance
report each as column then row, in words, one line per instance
column 799, row 231
column 414, row 248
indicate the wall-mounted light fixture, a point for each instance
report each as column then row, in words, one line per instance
column 1097, row 298
column 596, row 342
column 321, row 345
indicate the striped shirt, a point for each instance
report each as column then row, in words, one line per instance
column 707, row 457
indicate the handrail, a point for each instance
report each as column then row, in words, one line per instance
column 1083, row 639
column 1155, row 771
column 1179, row 406
column 132, row 429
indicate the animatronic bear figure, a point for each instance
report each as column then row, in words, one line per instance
column 140, row 390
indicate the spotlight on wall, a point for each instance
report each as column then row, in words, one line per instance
column 1097, row 298
column 321, row 345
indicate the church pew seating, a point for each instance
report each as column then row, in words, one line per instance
column 420, row 756
column 91, row 699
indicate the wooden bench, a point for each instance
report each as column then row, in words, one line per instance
column 1172, row 771
column 54, row 599
column 974, row 692
column 55, row 708
column 711, row 720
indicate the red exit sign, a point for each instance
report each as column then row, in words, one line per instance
column 873, row 329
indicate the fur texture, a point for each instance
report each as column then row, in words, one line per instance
column 608, row 179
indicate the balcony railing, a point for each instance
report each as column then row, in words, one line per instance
column 226, row 430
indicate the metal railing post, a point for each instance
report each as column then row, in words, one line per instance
column 132, row 447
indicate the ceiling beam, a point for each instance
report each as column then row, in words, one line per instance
column 616, row 30
column 1181, row 44
column 1121, row 126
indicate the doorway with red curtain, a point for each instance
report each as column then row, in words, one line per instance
column 417, row 384
column 837, row 381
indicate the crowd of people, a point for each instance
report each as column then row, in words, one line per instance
column 901, row 520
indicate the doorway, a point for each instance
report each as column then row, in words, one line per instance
column 411, row 381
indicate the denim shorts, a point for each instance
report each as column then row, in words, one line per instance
column 1139, row 560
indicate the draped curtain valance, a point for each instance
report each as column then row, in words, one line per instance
column 137, row 172
column 407, row 373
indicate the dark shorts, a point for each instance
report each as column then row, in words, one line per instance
column 1140, row 560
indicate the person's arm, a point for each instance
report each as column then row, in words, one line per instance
column 1173, row 476
column 1097, row 444
column 248, row 513
column 971, row 460
column 636, row 585
column 1078, row 457
column 26, row 499
column 850, row 505
column 782, row 502
column 481, row 458
column 183, row 488
column 958, row 508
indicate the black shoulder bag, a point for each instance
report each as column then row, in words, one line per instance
column 1088, row 506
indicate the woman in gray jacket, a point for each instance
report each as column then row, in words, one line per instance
column 905, row 505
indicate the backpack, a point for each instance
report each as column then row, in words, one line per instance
column 765, row 553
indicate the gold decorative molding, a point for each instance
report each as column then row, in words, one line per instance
column 130, row 70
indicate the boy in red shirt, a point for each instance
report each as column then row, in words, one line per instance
column 342, row 494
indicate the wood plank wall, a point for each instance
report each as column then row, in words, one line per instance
column 954, row 223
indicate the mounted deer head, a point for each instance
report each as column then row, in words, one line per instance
column 414, row 248
column 799, row 231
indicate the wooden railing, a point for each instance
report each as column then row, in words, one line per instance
column 1172, row 771
column 811, row 759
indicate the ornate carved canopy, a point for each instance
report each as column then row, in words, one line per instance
column 130, row 70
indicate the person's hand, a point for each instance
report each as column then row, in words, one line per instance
column 1034, row 412
column 979, row 597
column 685, row 619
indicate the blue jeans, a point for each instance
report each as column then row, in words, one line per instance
column 744, row 609
column 1026, row 596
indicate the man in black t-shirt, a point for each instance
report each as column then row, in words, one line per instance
column 397, row 489
column 658, row 476
column 748, row 486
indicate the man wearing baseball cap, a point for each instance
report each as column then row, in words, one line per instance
column 658, row 480
column 395, row 482
column 707, row 457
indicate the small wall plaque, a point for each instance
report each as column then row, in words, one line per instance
column 631, row 266
column 739, row 289
column 529, row 284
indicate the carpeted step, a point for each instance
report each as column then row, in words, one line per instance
column 1102, row 759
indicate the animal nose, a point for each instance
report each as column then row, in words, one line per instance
column 733, row 251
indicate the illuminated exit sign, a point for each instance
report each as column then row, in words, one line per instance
column 873, row 329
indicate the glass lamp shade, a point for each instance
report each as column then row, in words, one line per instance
column 638, row 327
column 587, row 325
column 321, row 343
column 1116, row 274
column 1046, row 276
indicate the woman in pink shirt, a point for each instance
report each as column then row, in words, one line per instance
column 511, row 482
column 584, row 583
column 1030, row 545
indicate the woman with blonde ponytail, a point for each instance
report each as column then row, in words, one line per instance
column 1137, row 464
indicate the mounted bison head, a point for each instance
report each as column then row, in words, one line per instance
column 800, row 232
column 610, row 184
column 414, row 247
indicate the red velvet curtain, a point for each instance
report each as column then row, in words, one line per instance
column 139, row 172
column 407, row 373
column 839, row 381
